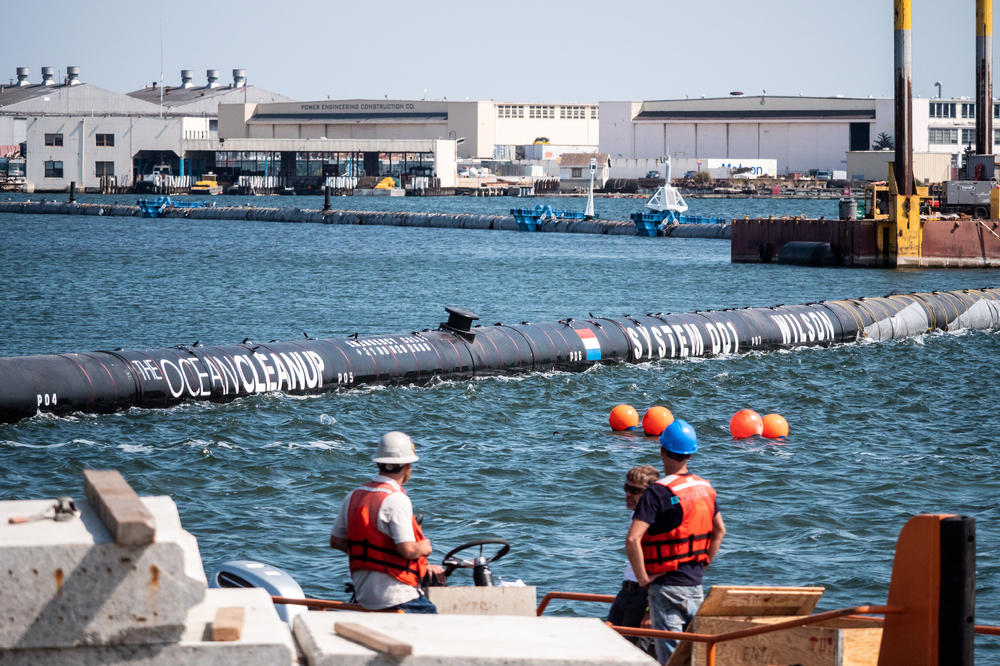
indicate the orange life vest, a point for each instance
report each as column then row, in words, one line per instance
column 370, row 549
column 689, row 541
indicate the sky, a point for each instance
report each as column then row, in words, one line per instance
column 503, row 50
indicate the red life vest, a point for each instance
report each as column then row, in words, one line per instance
column 370, row 549
column 689, row 541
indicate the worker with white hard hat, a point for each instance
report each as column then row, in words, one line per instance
column 376, row 528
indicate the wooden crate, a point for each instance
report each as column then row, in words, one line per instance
column 840, row 642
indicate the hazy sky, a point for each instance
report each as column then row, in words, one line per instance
column 516, row 50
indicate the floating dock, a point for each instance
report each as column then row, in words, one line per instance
column 959, row 243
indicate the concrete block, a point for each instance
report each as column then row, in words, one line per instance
column 68, row 583
column 484, row 600
column 265, row 641
column 467, row 640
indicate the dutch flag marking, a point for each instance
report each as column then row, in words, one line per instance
column 590, row 343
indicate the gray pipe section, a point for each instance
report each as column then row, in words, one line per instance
column 384, row 218
column 107, row 381
column 984, row 77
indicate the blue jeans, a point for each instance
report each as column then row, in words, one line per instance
column 671, row 608
column 419, row 605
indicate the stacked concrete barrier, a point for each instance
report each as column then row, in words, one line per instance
column 117, row 581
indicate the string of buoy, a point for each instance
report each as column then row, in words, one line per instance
column 743, row 424
column 107, row 381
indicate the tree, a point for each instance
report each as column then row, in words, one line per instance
column 883, row 142
column 702, row 178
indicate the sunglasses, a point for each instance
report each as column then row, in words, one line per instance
column 634, row 490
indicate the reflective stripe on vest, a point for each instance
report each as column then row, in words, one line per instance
column 689, row 541
column 370, row 549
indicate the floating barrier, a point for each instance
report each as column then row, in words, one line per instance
column 106, row 381
column 568, row 222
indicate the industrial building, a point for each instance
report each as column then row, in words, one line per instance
column 73, row 131
column 802, row 133
column 482, row 129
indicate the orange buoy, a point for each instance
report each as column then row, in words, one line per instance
column 746, row 423
column 656, row 419
column 623, row 417
column 775, row 426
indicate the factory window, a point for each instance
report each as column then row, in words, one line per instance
column 943, row 136
column 577, row 173
column 541, row 111
column 572, row 112
column 968, row 136
column 996, row 110
column 54, row 169
column 996, row 137
column 593, row 112
column 53, row 140
column 102, row 169
column 105, row 139
column 510, row 111
column 968, row 110
column 942, row 110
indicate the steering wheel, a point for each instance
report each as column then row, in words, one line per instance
column 450, row 562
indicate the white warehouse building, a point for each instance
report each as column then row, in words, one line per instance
column 801, row 133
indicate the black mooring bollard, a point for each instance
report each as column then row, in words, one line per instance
column 958, row 590
column 72, row 191
column 326, row 198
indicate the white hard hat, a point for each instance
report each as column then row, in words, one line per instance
column 395, row 448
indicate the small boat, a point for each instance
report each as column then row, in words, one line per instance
column 156, row 207
column 207, row 185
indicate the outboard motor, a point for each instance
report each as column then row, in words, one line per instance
column 247, row 573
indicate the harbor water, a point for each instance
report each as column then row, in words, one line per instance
column 879, row 432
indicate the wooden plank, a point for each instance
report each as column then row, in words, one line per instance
column 851, row 643
column 228, row 624
column 730, row 600
column 119, row 507
column 370, row 638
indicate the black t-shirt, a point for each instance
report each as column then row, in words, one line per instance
column 661, row 508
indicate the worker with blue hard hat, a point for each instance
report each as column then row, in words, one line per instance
column 676, row 531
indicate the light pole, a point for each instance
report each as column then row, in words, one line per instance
column 589, row 213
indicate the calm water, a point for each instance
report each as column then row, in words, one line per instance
column 880, row 432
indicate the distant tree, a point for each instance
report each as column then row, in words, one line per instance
column 702, row 178
column 883, row 142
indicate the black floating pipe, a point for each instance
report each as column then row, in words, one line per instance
column 107, row 381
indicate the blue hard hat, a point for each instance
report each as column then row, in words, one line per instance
column 679, row 437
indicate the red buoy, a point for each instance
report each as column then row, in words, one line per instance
column 623, row 417
column 775, row 426
column 746, row 423
column 656, row 419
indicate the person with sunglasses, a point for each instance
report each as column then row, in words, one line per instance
column 629, row 608
column 676, row 532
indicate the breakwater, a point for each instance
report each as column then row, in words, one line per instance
column 108, row 381
column 383, row 218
